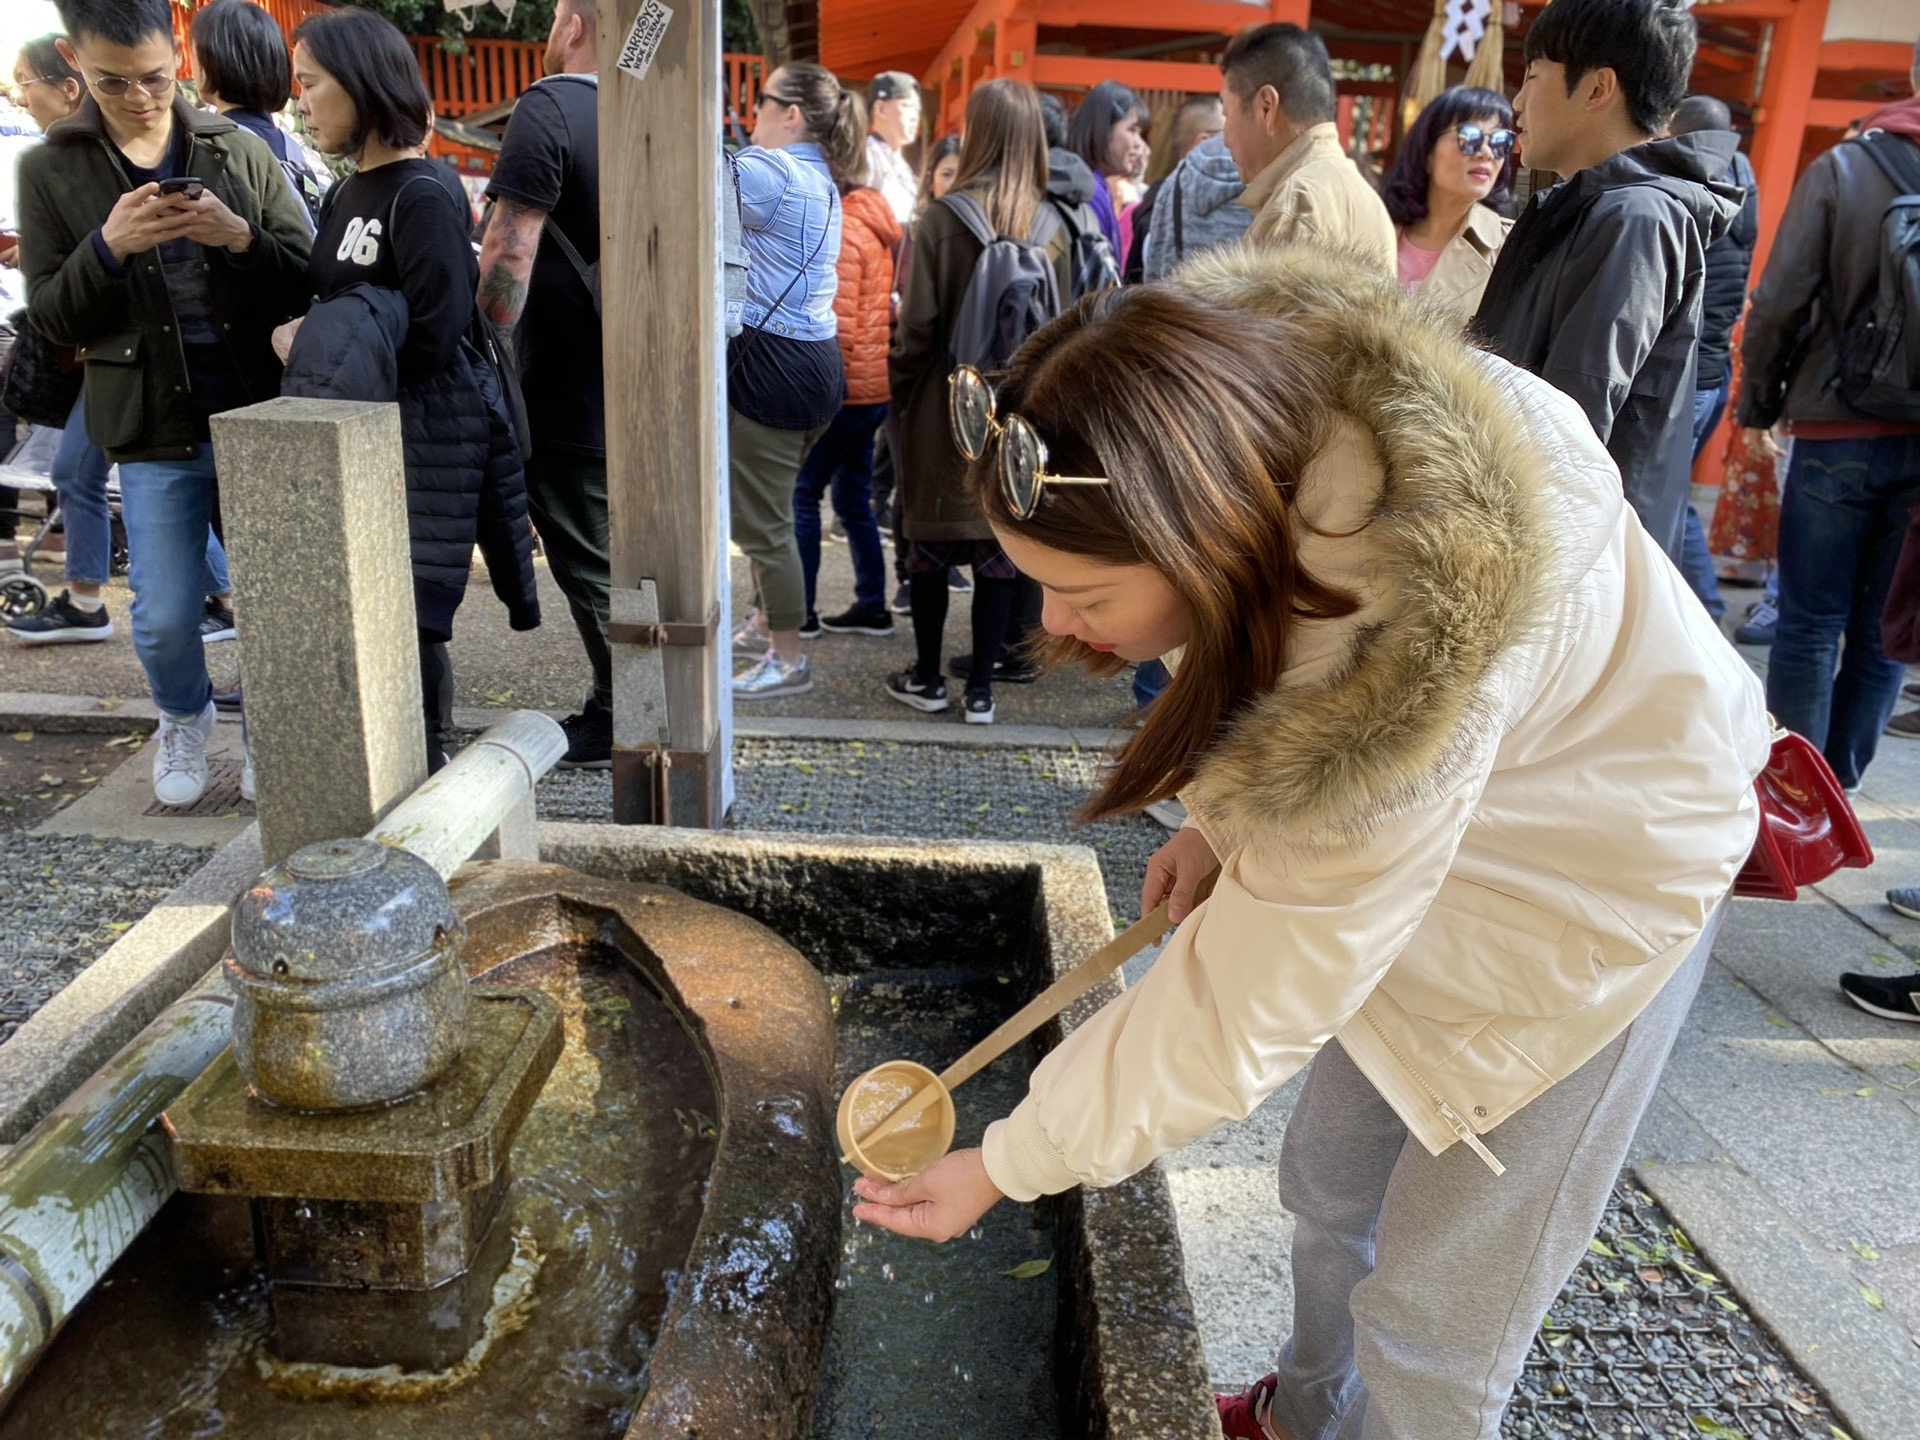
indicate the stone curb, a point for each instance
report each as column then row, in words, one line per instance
column 115, row 997
column 1811, row 1305
column 86, row 714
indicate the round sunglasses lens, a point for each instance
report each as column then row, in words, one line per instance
column 1022, row 458
column 971, row 406
column 1470, row 137
column 1500, row 142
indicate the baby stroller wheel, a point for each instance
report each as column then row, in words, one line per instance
column 21, row 595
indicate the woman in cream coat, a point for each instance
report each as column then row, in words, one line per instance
column 1477, row 772
column 1447, row 194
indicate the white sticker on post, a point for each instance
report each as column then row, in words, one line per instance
column 643, row 41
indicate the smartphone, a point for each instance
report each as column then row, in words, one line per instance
column 186, row 185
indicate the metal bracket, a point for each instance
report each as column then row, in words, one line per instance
column 653, row 636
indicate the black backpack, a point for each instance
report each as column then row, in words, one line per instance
column 1877, row 364
column 1094, row 267
column 1012, row 292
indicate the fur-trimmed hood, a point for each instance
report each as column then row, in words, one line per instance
column 1429, row 503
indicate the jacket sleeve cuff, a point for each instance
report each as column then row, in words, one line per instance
column 1020, row 1160
column 115, row 270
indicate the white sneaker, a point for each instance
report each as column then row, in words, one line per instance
column 246, row 779
column 180, row 759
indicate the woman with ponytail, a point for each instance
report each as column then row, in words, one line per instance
column 785, row 380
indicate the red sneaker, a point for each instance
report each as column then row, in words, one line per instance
column 1243, row 1416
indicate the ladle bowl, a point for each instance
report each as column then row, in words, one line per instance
column 911, row 1146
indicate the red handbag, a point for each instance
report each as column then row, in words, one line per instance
column 1807, row 827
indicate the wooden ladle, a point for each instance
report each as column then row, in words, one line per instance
column 897, row 1118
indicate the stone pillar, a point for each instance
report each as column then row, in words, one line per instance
column 313, row 496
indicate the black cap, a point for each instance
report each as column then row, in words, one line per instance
column 892, row 85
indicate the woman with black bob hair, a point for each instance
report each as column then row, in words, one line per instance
column 1450, row 193
column 394, row 279
column 241, row 64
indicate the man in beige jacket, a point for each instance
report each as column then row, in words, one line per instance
column 1277, row 93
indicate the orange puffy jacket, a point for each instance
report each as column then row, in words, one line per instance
column 864, row 302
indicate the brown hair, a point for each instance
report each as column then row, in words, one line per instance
column 836, row 120
column 1203, row 420
column 1003, row 154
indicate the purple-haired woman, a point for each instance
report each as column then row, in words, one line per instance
column 1448, row 194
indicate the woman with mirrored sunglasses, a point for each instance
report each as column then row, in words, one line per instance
column 1449, row 194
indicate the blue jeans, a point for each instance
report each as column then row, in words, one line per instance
column 80, row 475
column 166, row 506
column 842, row 461
column 1695, row 563
column 1150, row 677
column 1842, row 519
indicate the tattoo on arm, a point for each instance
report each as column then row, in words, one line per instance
column 506, row 260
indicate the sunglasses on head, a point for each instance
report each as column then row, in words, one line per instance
column 1474, row 138
column 1024, row 476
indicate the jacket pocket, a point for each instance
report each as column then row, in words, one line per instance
column 1480, row 954
column 115, row 385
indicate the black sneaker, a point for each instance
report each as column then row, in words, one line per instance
column 810, row 628
column 61, row 623
column 1896, row 999
column 858, row 621
column 589, row 738
column 958, row 582
column 908, row 688
column 902, row 600
column 216, row 622
column 979, row 707
column 1005, row 671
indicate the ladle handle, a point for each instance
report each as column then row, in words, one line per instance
column 1037, row 1011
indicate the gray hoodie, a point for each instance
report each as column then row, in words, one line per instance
column 1199, row 212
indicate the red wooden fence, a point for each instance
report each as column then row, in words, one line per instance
column 484, row 74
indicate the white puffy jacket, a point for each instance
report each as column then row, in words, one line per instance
column 1479, row 823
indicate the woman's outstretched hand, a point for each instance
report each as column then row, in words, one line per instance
column 939, row 1203
column 1175, row 871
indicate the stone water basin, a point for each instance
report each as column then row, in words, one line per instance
column 782, row 1317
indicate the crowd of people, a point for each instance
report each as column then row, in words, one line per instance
column 1379, row 485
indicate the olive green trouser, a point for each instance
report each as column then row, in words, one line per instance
column 762, row 465
column 567, row 498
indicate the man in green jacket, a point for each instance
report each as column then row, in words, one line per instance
column 164, row 244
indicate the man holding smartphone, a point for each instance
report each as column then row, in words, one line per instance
column 164, row 243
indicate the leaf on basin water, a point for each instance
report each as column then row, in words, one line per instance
column 1864, row 1250
column 1027, row 1269
column 1600, row 1247
column 1777, row 1022
column 1707, row 1425
column 1872, row 1297
column 117, row 740
column 23, row 735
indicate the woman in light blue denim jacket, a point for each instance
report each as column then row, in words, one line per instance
column 784, row 377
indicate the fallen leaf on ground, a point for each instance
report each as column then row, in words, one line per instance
column 1777, row 1022
column 1872, row 1297
column 1707, row 1425
column 1600, row 1247
column 23, row 734
column 1864, row 1250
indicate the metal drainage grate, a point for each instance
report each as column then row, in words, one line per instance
column 222, row 795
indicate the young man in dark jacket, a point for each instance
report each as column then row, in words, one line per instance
column 1598, row 289
column 1854, row 475
column 164, row 243
column 547, row 184
column 1729, row 261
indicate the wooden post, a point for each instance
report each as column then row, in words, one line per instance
column 659, row 276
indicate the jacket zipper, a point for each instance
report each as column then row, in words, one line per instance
column 1456, row 1122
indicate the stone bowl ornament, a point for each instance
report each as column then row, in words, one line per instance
column 352, row 991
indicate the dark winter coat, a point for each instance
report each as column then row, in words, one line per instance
column 1824, row 266
column 136, row 369
column 937, row 503
column 1598, row 292
column 1729, row 264
column 465, row 485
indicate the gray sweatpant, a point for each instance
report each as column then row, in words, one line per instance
column 1419, row 1281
